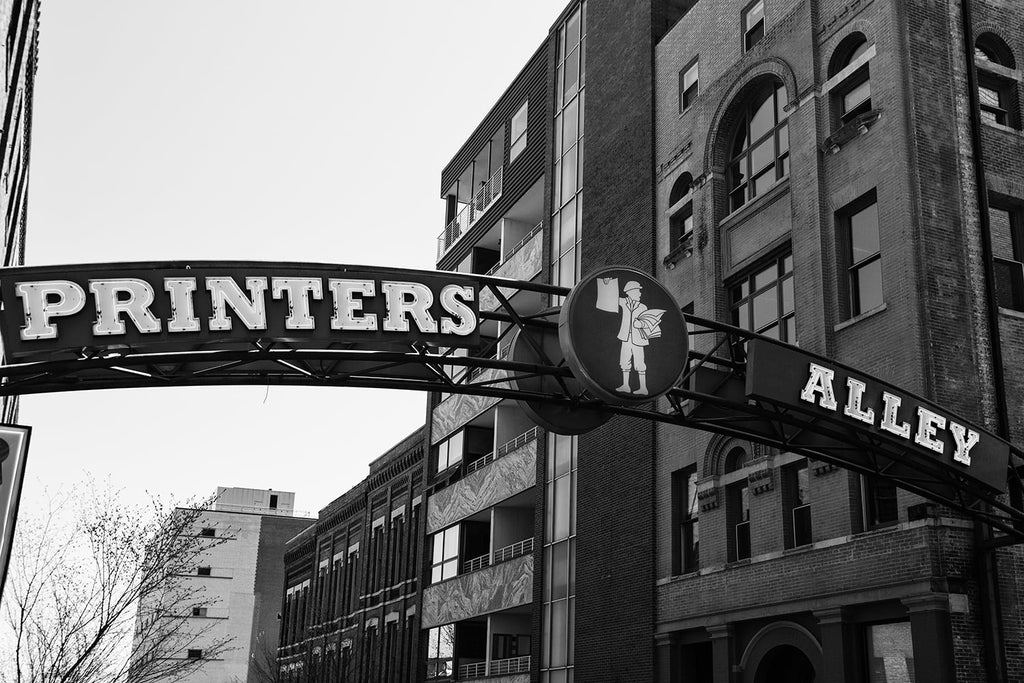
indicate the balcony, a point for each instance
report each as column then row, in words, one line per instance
column 524, row 262
column 491, row 589
column 485, row 197
column 505, row 554
column 497, row 667
column 512, row 470
column 457, row 410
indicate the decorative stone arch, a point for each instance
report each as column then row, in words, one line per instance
column 775, row 635
column 993, row 36
column 714, row 148
column 840, row 54
column 841, row 37
column 719, row 447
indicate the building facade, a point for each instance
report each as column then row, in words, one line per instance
column 816, row 182
column 842, row 175
column 21, row 43
column 351, row 589
column 236, row 588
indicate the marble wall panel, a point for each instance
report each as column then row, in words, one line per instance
column 493, row 589
column 525, row 264
column 458, row 409
column 491, row 484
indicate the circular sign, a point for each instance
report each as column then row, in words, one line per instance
column 539, row 346
column 623, row 335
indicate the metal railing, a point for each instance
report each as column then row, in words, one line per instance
column 476, row 563
column 512, row 665
column 475, row 670
column 503, row 450
column 519, row 245
column 509, row 552
column 470, row 214
column 513, row 551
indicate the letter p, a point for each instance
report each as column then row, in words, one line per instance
column 45, row 300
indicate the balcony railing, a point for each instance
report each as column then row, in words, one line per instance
column 509, row 552
column 519, row 245
column 503, row 450
column 499, row 667
column 513, row 665
column 470, row 214
column 475, row 670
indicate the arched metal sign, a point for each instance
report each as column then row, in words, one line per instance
column 201, row 323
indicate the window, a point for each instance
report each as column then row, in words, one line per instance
column 689, row 85
column 1006, row 225
column 763, row 301
column 446, row 554
column 863, row 254
column 273, row 501
column 753, row 24
column 449, row 451
column 195, row 653
column 681, row 211
column 880, row 506
column 518, row 132
column 203, row 571
column 208, row 531
column 797, row 505
column 199, row 611
column 851, row 97
column 760, row 146
column 440, row 651
column 737, row 508
column 890, row 652
column 686, row 510
column 997, row 92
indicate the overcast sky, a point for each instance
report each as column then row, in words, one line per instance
column 307, row 130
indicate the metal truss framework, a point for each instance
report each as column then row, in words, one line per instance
column 709, row 397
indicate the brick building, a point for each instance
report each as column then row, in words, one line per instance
column 351, row 587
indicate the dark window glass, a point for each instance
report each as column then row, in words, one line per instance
column 689, row 85
column 685, row 513
column 797, row 505
column 738, row 514
column 862, row 254
column 1006, row 226
column 753, row 24
column 997, row 93
column 763, row 301
column 195, row 653
column 203, row 571
column 760, row 148
column 880, row 504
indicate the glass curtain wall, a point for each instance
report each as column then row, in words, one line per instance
column 566, row 232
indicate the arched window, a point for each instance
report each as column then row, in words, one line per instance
column 852, row 96
column 759, row 154
column 680, row 208
column 997, row 92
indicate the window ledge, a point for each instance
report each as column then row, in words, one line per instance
column 1011, row 313
column 848, row 132
column 683, row 250
column 1003, row 127
column 758, row 203
column 857, row 318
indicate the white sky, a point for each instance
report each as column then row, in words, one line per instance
column 306, row 130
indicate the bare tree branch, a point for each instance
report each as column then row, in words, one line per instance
column 104, row 598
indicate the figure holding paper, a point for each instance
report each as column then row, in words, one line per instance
column 637, row 327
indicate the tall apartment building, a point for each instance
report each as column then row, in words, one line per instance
column 241, row 580
column 351, row 589
column 20, row 18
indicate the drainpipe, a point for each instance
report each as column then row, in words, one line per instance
column 987, row 566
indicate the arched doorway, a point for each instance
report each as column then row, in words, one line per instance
column 785, row 664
